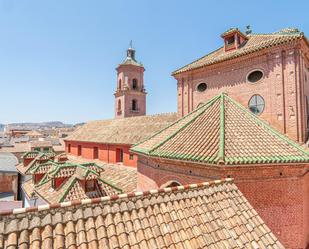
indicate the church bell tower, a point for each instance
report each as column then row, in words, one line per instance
column 130, row 95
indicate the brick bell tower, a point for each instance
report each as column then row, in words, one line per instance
column 130, row 95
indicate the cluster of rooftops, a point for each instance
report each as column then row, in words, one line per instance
column 85, row 206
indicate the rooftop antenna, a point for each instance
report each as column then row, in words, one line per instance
column 131, row 44
column 248, row 30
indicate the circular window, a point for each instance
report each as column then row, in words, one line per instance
column 255, row 76
column 202, row 87
column 256, row 104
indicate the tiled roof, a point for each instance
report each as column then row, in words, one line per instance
column 121, row 176
column 232, row 30
column 207, row 215
column 38, row 157
column 130, row 61
column 34, row 133
column 71, row 189
column 122, row 131
column 222, row 132
column 39, row 143
column 8, row 162
column 254, row 43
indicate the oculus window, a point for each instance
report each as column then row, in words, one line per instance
column 255, row 76
column 256, row 104
column 202, row 87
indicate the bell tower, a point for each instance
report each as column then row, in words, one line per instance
column 130, row 95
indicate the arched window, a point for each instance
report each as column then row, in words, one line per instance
column 119, row 105
column 134, row 83
column 169, row 184
column 119, row 84
column 134, row 105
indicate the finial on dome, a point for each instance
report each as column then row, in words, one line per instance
column 131, row 52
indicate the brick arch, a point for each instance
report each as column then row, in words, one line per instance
column 171, row 183
column 169, row 179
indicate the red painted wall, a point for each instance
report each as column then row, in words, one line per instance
column 279, row 193
column 107, row 152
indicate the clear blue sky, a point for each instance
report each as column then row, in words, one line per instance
column 58, row 57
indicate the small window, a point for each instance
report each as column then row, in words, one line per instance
column 119, row 85
column 90, row 186
column 131, row 156
column 37, row 149
column 134, row 83
column 134, row 105
column 255, row 76
column 230, row 40
column 46, row 149
column 69, row 148
column 202, row 87
column 256, row 104
column 119, row 105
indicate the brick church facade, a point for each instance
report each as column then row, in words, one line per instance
column 267, row 71
column 239, row 134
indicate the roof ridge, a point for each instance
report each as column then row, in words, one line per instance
column 136, row 117
column 212, row 52
column 114, row 197
column 222, row 130
column 268, row 127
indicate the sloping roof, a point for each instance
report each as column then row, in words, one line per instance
column 8, row 162
column 39, row 143
column 34, row 133
column 222, row 132
column 121, row 176
column 37, row 158
column 122, row 131
column 130, row 61
column 207, row 215
column 71, row 188
column 254, row 43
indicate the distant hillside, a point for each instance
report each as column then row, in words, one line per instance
column 34, row 126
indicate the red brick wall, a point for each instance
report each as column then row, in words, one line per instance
column 279, row 193
column 107, row 152
column 281, row 87
column 9, row 183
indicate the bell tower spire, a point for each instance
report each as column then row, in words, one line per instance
column 130, row 95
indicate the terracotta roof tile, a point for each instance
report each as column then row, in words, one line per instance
column 254, row 43
column 122, row 131
column 193, row 216
column 222, row 132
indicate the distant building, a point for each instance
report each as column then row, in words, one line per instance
column 34, row 134
column 130, row 95
column 267, row 73
column 8, row 176
column 41, row 145
column 111, row 140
